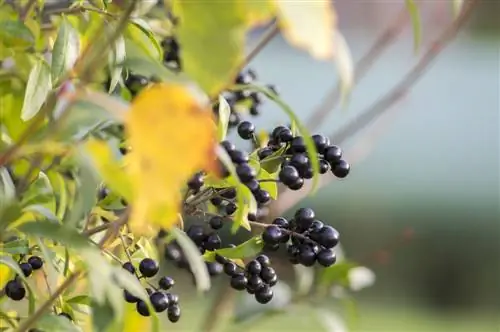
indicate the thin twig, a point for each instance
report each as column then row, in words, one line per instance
column 364, row 64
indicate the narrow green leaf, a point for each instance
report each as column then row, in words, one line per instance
column 194, row 259
column 337, row 273
column 14, row 33
column 19, row 246
column 146, row 29
column 66, row 50
column 270, row 186
column 11, row 321
column 149, row 68
column 224, row 112
column 80, row 299
column 117, row 57
column 56, row 232
column 7, row 188
column 414, row 12
column 56, row 323
column 37, row 89
column 247, row 249
column 145, row 45
column 345, row 66
column 43, row 212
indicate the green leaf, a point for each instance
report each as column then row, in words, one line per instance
column 37, row 89
column 140, row 42
column 7, row 260
column 41, row 193
column 415, row 20
column 273, row 163
column 149, row 68
column 337, row 273
column 146, row 30
column 247, row 249
column 102, row 316
column 56, row 232
column 14, row 33
column 55, row 323
column 80, row 299
column 9, row 212
column 66, row 50
column 19, row 246
column 224, row 112
column 194, row 259
column 216, row 25
column 117, row 57
column 270, row 186
column 43, row 212
column 7, row 188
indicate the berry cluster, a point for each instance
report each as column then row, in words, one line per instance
column 14, row 289
column 160, row 299
column 257, row 277
column 309, row 239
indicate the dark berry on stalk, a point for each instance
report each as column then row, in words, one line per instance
column 196, row 233
column 263, row 260
column 273, row 281
column 252, row 216
column 326, row 257
column 316, row 226
column 281, row 222
column 324, row 166
column 253, row 185
column 262, row 196
column 173, row 299
column 228, row 146
column 306, row 257
column 234, row 119
column 231, row 269
column 129, row 267
column 212, row 242
column 297, row 184
column 254, row 282
column 308, row 173
column 341, row 169
column 328, row 237
column 148, row 267
column 285, row 135
column 26, row 268
column 129, row 297
column 221, row 259
column 229, row 193
column 65, row 314
column 196, row 182
column 267, row 274
column 304, row 218
column 15, row 290
column 264, row 294
column 35, row 262
column 246, row 172
column 216, row 222
column 298, row 145
column 300, row 161
column 142, row 308
column 272, row 235
column 166, row 283
column 254, row 110
column 246, row 129
column 333, row 154
column 214, row 268
column 173, row 252
column 174, row 313
column 239, row 157
column 254, row 267
column 271, row 247
column 239, row 282
column 216, row 201
column 276, row 132
column 265, row 152
column 230, row 208
column 288, row 175
column 321, row 142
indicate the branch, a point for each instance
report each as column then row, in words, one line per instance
column 362, row 67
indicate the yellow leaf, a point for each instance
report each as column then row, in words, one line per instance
column 172, row 135
column 5, row 274
column 259, row 12
column 309, row 25
column 134, row 321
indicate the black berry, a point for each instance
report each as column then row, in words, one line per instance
column 174, row 313
column 196, row 233
column 262, row 196
column 245, row 172
column 253, row 185
column 35, row 262
column 142, row 308
column 297, row 184
column 148, row 267
column 230, row 208
column 129, row 297
column 333, row 154
column 304, row 217
column 306, row 257
column 264, row 294
column 231, row 269
column 272, row 235
column 288, row 175
column 285, row 135
column 214, row 268
column 263, row 260
column 239, row 282
column 254, row 267
column 159, row 301
column 239, row 157
column 341, row 169
column 265, row 152
column 326, row 257
column 267, row 274
column 246, row 129
column 172, row 299
column 321, row 142
column 216, row 222
column 228, row 146
column 15, row 290
column 26, row 268
column 196, row 182
column 166, row 283
column 129, row 267
column 212, row 242
column 324, row 166
column 298, row 145
column 328, row 237
column 254, row 282
column 300, row 161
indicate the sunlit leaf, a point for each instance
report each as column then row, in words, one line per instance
column 57, row 232
column 13, row 33
column 117, row 57
column 19, row 246
column 56, row 323
column 37, row 90
column 247, row 249
column 223, row 114
column 270, row 186
column 309, row 25
column 66, row 50
column 416, row 22
column 172, row 136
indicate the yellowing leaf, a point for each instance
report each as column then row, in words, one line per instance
column 309, row 25
column 5, row 275
column 172, row 135
column 133, row 321
column 259, row 12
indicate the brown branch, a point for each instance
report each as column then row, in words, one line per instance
column 362, row 67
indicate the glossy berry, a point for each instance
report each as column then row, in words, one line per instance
column 216, row 222
column 264, row 294
column 231, row 269
column 246, row 129
column 307, row 173
column 252, row 216
column 281, row 222
column 262, row 196
column 324, row 166
column 328, row 237
column 316, row 226
column 254, row 267
column 148, row 267
column 65, row 314
column 321, row 142
column 229, row 193
column 214, row 268
column 172, row 299
column 298, row 145
column 196, row 182
column 26, row 268
column 326, row 257
column 254, row 282
column 306, row 256
column 129, row 267
column 285, row 135
column 15, row 290
column 304, row 217
column 288, row 175
column 216, row 201
column 174, row 313
column 239, row 157
column 272, row 235
column 341, row 169
column 166, row 283
column 333, row 154
column 159, row 301
column 196, row 233
column 239, row 282
column 253, row 185
column 254, row 110
column 267, row 274
column 35, row 262
column 273, row 281
column 230, row 208
column 221, row 259
column 246, row 172
column 263, row 260
column 297, row 184
column 228, row 146
column 129, row 297
column 142, row 308
column 265, row 152
column 300, row 161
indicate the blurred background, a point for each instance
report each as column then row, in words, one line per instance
column 430, row 175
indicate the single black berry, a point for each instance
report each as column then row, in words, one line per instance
column 265, row 152
column 328, row 237
column 228, row 146
column 166, row 283
column 196, row 233
column 316, row 226
column 281, row 222
column 159, row 301
column 129, row 297
column 26, row 268
column 196, row 182
column 267, row 274
column 173, row 299
column 253, row 185
column 231, row 269
column 148, row 267
column 142, row 308
column 174, row 313
column 239, row 157
column 216, row 222
column 221, row 259
column 254, row 110
column 173, row 252
column 300, row 161
column 129, row 267
column 246, row 129
column 246, row 172
column 272, row 235
column 307, row 173
column 254, row 282
column 216, row 200
column 326, row 257
column 263, row 260
column 321, row 142
column 35, row 262
column 285, row 135
column 333, row 154
column 324, row 166
column 214, row 268
column 254, row 267
column 212, row 242
column 252, row 216
column 298, row 145
column 297, row 184
column 229, row 193
column 239, row 282
column 276, row 132
column 15, row 290
column 341, row 169
column 230, row 208
column 304, row 218
column 262, row 196
column 306, row 257
column 288, row 175
column 264, row 294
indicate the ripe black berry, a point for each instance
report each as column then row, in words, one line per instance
column 35, row 262
column 172, row 299
column 267, row 274
column 265, row 152
column 246, row 129
column 281, row 222
column 264, row 294
column 239, row 282
column 166, row 283
column 229, row 193
column 254, row 267
column 102, row 193
column 216, row 200
column 142, row 308
column 239, row 157
column 254, row 110
column 288, row 175
column 26, row 268
column 324, row 166
column 216, row 222
column 214, row 268
column 262, row 196
column 245, row 172
column 263, row 260
column 212, row 242
column 285, row 135
column 196, row 233
column 298, row 145
column 221, row 259
column 307, row 173
column 326, row 257
column 341, row 169
column 300, row 161
column 15, row 290
column 333, row 154
column 174, row 313
column 159, row 301
column 228, row 146
column 297, row 184
column 254, row 282
column 272, row 235
column 231, row 269
column 306, row 257
column 129, row 297
column 253, row 185
column 129, row 267
column 148, row 267
column 304, row 218
column 328, row 237
column 321, row 142
column 316, row 226
column 230, row 208
column 196, row 182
